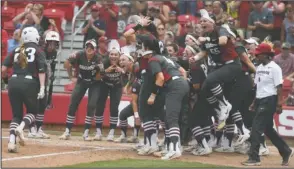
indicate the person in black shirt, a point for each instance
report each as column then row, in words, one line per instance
column 112, row 86
column 51, row 45
column 28, row 65
column 88, row 67
column 127, row 63
column 94, row 28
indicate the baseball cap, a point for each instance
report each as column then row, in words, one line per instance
column 95, row 7
column 103, row 39
column 263, row 48
column 286, row 45
column 251, row 41
column 92, row 42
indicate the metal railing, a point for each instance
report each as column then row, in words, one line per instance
column 73, row 32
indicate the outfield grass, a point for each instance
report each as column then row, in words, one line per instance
column 136, row 163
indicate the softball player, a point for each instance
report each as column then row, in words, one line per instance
column 28, row 64
column 112, row 85
column 51, row 45
column 167, row 73
column 268, row 101
column 127, row 63
column 88, row 66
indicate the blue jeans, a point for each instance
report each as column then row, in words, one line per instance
column 184, row 5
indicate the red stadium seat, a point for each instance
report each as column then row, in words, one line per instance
column 17, row 4
column 66, row 6
column 19, row 11
column 183, row 19
column 55, row 14
column 9, row 27
column 7, row 14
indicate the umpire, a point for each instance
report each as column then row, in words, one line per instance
column 268, row 100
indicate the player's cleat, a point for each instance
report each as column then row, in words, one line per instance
column 121, row 139
column 32, row 133
column 98, row 137
column 225, row 149
column 160, row 153
column 286, row 158
column 110, row 137
column 174, row 152
column 242, row 148
column 19, row 133
column 138, row 146
column 263, row 151
column 133, row 139
column 147, row 150
column 212, row 142
column 12, row 147
column 41, row 135
column 193, row 142
column 65, row 136
column 201, row 151
column 87, row 138
column 242, row 138
column 190, row 148
column 251, row 162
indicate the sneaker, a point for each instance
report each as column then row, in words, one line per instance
column 98, row 137
column 33, row 132
column 286, row 159
column 40, row 134
column 241, row 139
column 12, row 148
column 121, row 139
column 133, row 140
column 251, row 162
column 110, row 137
column 147, row 150
column 172, row 155
column 201, row 151
column 263, row 151
column 65, row 136
column 20, row 135
column 87, row 138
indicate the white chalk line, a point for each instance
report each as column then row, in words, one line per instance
column 47, row 155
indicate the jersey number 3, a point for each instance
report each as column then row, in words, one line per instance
column 30, row 52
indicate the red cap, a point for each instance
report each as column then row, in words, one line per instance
column 263, row 48
column 102, row 39
column 95, row 7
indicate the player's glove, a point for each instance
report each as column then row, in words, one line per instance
column 41, row 93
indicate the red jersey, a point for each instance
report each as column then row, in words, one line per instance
column 111, row 22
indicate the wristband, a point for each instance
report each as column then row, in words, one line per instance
column 136, row 114
column 42, row 88
column 155, row 89
column 137, row 27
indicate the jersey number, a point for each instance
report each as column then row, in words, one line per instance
column 30, row 54
column 169, row 61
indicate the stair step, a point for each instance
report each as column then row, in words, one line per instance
column 76, row 45
column 79, row 38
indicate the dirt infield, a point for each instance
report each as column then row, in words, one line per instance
column 57, row 153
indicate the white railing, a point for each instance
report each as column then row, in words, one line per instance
column 73, row 32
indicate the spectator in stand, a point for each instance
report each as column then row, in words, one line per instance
column 139, row 8
column 219, row 13
column 260, row 21
column 184, row 6
column 14, row 41
column 154, row 12
column 163, row 11
column 169, row 37
column 161, row 32
column 173, row 25
column 244, row 9
column 109, row 13
column 278, row 8
column 287, row 31
column 277, row 47
column 38, row 9
column 123, row 17
column 208, row 6
column 285, row 60
column 95, row 27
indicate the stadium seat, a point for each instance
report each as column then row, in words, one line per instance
column 56, row 14
column 7, row 14
column 9, row 27
column 183, row 19
column 19, row 11
column 66, row 6
column 17, row 4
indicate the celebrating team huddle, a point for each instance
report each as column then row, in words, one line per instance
column 216, row 99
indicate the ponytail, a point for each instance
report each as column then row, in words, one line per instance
column 22, row 57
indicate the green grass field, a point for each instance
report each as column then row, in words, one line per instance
column 136, row 163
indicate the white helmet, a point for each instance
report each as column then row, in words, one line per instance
column 52, row 36
column 30, row 34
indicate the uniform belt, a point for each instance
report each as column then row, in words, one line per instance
column 25, row 76
column 227, row 62
column 175, row 77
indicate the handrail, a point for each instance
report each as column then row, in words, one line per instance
column 58, row 63
column 73, row 24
